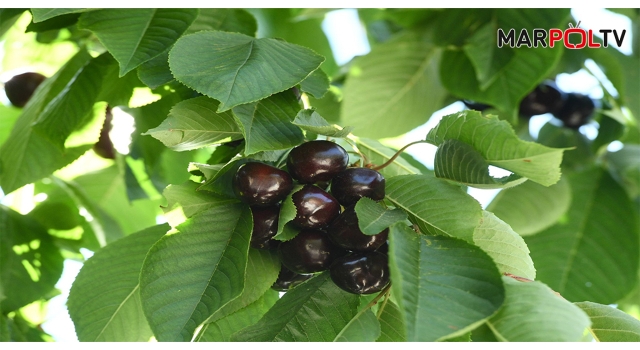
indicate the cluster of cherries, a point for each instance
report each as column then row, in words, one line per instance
column 573, row 109
column 329, row 237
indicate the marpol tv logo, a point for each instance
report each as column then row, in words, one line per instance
column 572, row 38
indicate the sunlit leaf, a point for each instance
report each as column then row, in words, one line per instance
column 104, row 302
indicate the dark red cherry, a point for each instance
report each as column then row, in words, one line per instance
column 261, row 184
column 361, row 273
column 316, row 161
column 265, row 226
column 20, row 88
column 576, row 110
column 476, row 105
column 345, row 232
column 355, row 183
column 104, row 147
column 545, row 98
column 315, row 207
column 288, row 279
column 309, row 252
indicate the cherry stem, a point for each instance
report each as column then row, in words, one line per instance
column 382, row 293
column 392, row 159
column 384, row 303
column 363, row 158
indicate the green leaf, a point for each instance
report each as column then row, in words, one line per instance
column 189, row 275
column 104, row 301
column 364, row 327
column 485, row 55
column 392, row 328
column 32, row 155
column 266, row 124
column 135, row 36
column 530, row 208
column 504, row 246
column 329, row 105
column 148, row 148
column 533, row 312
column 374, row 218
column 9, row 117
column 310, row 120
column 222, row 329
column 237, row 69
column 59, row 215
column 624, row 166
column 316, row 311
column 436, row 206
column 498, row 144
column 40, row 14
column 316, row 84
column 192, row 201
column 30, row 263
column 599, row 234
column 457, row 161
column 262, row 271
column 8, row 17
column 194, row 124
column 609, row 324
column 228, row 20
column 106, row 190
column 288, row 212
column 379, row 154
column 156, row 72
column 394, row 88
column 444, row 286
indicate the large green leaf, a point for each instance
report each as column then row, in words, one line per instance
column 530, row 208
column 194, row 123
column 189, row 275
column 135, row 36
column 236, row 69
column 316, row 310
column 266, row 124
column 498, row 144
column 26, row 155
column 104, row 301
column 533, row 312
column 609, row 324
column 394, row 88
column 30, row 263
column 504, row 246
column 223, row 328
column 436, row 206
column 392, row 328
column 592, row 253
column 444, row 286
